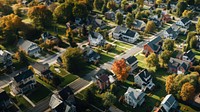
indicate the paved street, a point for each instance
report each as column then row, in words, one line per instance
column 78, row 84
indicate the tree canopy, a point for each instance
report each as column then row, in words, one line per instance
column 198, row 26
column 119, row 18
column 40, row 15
column 120, row 69
column 150, row 27
column 168, row 45
column 187, row 91
column 129, row 20
column 164, row 57
column 152, row 60
column 108, row 99
column 181, row 6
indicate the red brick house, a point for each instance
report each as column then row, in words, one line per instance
column 102, row 81
column 154, row 46
column 166, row 18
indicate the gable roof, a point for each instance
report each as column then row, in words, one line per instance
column 54, row 101
column 189, row 54
column 94, row 34
column 154, row 43
column 23, row 75
column 25, row 44
column 175, row 63
column 102, row 77
column 130, row 60
column 40, row 66
column 144, row 76
column 185, row 20
column 65, row 93
column 134, row 93
column 170, row 102
column 124, row 31
column 99, row 22
column 172, row 33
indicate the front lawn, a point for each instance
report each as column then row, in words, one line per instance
column 105, row 57
column 22, row 103
column 123, row 44
column 50, row 87
column 68, row 79
column 38, row 93
column 59, row 71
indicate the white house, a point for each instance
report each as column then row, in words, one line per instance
column 184, row 23
column 30, row 48
column 96, row 39
column 169, row 104
column 134, row 97
column 139, row 25
column 125, row 34
column 132, row 62
column 144, row 80
column 23, row 82
column 5, row 59
column 170, row 33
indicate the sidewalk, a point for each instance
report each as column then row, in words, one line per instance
column 27, row 99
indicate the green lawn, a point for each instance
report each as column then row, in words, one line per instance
column 67, row 79
column 38, row 93
column 105, row 57
column 126, row 45
column 22, row 103
column 88, row 68
column 197, row 53
column 61, row 72
column 50, row 87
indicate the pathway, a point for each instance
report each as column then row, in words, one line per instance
column 27, row 99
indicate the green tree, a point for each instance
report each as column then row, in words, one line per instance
column 108, row 99
column 150, row 27
column 98, row 4
column 152, row 60
column 187, row 91
column 129, row 20
column 119, row 18
column 63, row 12
column 140, row 3
column 168, row 45
column 193, row 42
column 198, row 26
column 189, row 36
column 164, row 57
column 188, row 13
column 73, row 60
column 181, row 6
column 80, row 10
column 112, row 5
column 123, row 4
column 40, row 15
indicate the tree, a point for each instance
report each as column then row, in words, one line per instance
column 119, row 18
column 73, row 60
column 10, row 26
column 70, row 38
column 187, row 91
column 164, row 57
column 40, row 15
column 168, row 45
column 169, row 84
column 189, row 36
column 181, row 6
column 158, row 2
column 140, row 3
column 108, row 99
column 80, row 10
column 193, row 42
column 5, row 9
column 112, row 5
column 168, row 5
column 84, row 31
column 188, row 14
column 198, row 26
column 21, row 57
column 152, row 60
column 150, row 27
column 98, row 4
column 63, row 13
column 123, row 4
column 104, row 7
column 120, row 69
column 129, row 20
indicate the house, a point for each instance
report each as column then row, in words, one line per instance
column 184, row 23
column 156, row 20
column 67, row 95
column 125, row 34
column 30, row 48
column 47, row 36
column 170, row 33
column 5, row 100
column 144, row 80
column 132, row 62
column 102, row 81
column 90, row 55
column 110, row 15
column 139, row 25
column 99, row 23
column 166, row 18
column 57, row 105
column 189, row 56
column 178, row 66
column 96, row 39
column 23, row 82
column 134, row 97
column 154, row 46
column 5, row 59
column 168, row 104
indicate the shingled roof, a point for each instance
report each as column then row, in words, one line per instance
column 154, row 43
column 23, row 75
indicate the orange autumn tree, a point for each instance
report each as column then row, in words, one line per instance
column 120, row 69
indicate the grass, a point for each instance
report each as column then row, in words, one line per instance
column 197, row 53
column 126, row 45
column 67, row 79
column 105, row 57
column 50, row 87
column 88, row 68
column 38, row 93
column 62, row 72
column 22, row 103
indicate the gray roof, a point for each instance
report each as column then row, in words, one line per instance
column 175, row 63
column 23, row 75
column 135, row 93
column 154, row 44
column 185, row 20
column 94, row 34
column 124, row 31
column 172, row 33
column 25, row 44
column 189, row 54
column 145, row 76
column 99, row 22
column 138, row 23
column 170, row 101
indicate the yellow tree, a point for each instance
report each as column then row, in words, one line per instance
column 120, row 69
column 140, row 3
column 169, row 84
column 187, row 13
column 187, row 91
column 150, row 27
column 158, row 2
